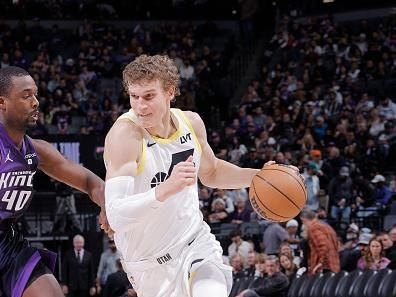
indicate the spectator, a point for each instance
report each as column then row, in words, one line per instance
column 389, row 249
column 312, row 185
column 294, row 239
column 78, row 277
column 275, row 283
column 323, row 244
column 373, row 256
column 220, row 193
column 383, row 194
column 238, row 246
column 351, row 251
column 107, row 264
column 341, row 193
column 287, row 266
column 118, row 284
column 387, row 108
column 251, row 261
column 392, row 234
column 273, row 236
column 241, row 214
column 219, row 214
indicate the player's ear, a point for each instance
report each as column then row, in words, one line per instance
column 171, row 92
column 2, row 102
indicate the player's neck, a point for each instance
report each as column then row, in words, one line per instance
column 165, row 128
column 15, row 134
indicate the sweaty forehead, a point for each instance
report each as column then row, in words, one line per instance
column 23, row 83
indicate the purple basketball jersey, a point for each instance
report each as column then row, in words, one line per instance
column 17, row 169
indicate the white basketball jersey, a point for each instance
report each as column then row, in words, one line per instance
column 177, row 219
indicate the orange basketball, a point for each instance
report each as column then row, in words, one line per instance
column 278, row 193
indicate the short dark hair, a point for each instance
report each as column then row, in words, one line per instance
column 235, row 232
column 6, row 75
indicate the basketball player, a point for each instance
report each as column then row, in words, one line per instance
column 154, row 155
column 24, row 270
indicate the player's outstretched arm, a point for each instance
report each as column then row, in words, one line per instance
column 58, row 167
column 214, row 172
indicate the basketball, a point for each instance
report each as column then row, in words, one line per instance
column 278, row 193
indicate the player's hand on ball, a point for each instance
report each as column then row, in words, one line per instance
column 269, row 163
column 183, row 174
column 273, row 162
column 295, row 168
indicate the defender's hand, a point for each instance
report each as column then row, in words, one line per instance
column 104, row 224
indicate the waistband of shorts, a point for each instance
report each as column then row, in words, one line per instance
column 165, row 258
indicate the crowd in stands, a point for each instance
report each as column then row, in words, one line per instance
column 79, row 72
column 115, row 10
column 324, row 100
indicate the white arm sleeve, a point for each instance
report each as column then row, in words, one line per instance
column 123, row 207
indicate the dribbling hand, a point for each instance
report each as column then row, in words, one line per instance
column 184, row 174
column 273, row 162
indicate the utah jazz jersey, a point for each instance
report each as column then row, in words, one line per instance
column 178, row 218
column 17, row 169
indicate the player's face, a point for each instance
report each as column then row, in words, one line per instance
column 21, row 104
column 150, row 102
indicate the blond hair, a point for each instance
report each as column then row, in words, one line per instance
column 148, row 68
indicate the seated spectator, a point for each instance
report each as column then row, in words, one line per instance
column 389, row 249
column 251, row 261
column 205, row 201
column 392, row 234
column 240, row 214
column 287, row 266
column 219, row 214
column 350, row 251
column 237, row 263
column 285, row 249
column 275, row 283
column 221, row 193
column 117, row 283
column 340, row 192
column 238, row 246
column 383, row 194
column 373, row 256
column 240, row 280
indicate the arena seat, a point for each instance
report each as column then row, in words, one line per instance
column 306, row 286
column 296, row 284
column 372, row 289
column 332, row 282
column 317, row 287
column 250, row 229
column 387, row 287
column 359, row 286
column 346, row 285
